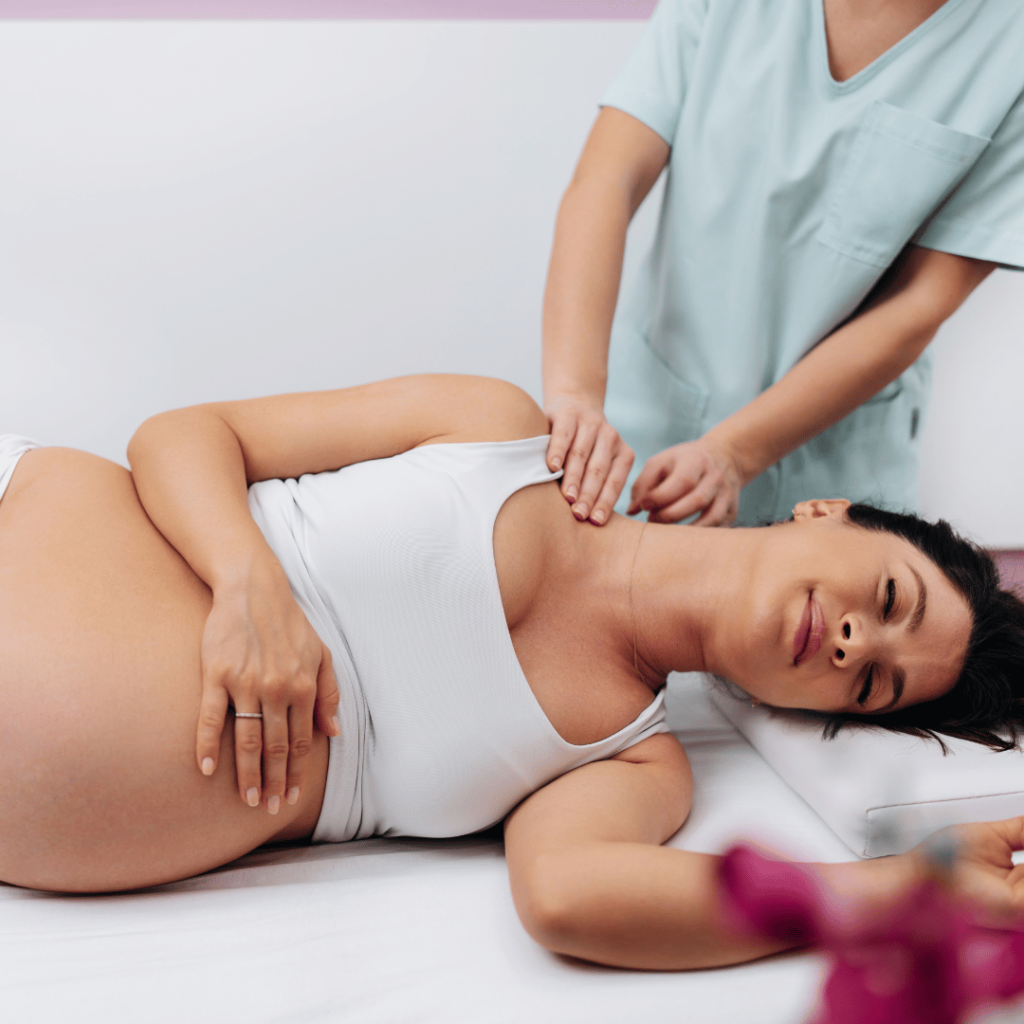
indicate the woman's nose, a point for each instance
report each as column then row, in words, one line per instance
column 848, row 647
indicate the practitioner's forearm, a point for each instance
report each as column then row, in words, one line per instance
column 852, row 364
column 657, row 908
column 190, row 475
column 582, row 288
column 841, row 373
column 620, row 163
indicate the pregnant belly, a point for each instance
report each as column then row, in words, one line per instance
column 100, row 627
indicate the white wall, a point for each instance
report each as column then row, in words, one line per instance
column 972, row 469
column 220, row 209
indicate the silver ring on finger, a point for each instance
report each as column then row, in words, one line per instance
column 248, row 714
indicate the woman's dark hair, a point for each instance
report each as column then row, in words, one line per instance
column 986, row 704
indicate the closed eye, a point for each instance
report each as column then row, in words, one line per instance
column 890, row 598
column 865, row 692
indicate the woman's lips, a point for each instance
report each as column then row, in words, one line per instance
column 807, row 641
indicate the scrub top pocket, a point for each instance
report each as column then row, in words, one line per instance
column 871, row 455
column 901, row 167
column 647, row 403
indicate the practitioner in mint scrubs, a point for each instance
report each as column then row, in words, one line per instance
column 841, row 174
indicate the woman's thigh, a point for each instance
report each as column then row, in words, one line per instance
column 100, row 623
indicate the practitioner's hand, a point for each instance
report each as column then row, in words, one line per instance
column 596, row 460
column 686, row 479
column 260, row 654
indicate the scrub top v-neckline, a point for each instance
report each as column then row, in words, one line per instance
column 883, row 59
column 786, row 197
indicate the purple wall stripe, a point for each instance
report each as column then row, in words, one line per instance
column 378, row 10
column 1011, row 569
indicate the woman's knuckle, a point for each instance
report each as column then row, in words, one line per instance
column 301, row 746
column 209, row 718
column 244, row 692
column 250, row 743
column 276, row 749
column 217, row 669
column 275, row 690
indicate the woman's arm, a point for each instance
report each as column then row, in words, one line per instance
column 591, row 880
column 192, row 468
column 620, row 163
column 843, row 371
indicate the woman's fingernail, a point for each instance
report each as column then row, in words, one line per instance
column 335, row 726
column 207, row 765
column 580, row 510
column 274, row 804
column 598, row 515
column 572, row 494
column 292, row 796
column 555, row 464
column 252, row 796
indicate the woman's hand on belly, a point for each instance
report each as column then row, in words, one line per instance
column 261, row 656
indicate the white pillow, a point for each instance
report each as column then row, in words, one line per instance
column 881, row 792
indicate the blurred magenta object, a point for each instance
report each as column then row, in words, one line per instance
column 925, row 960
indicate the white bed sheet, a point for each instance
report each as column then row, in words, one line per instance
column 392, row 931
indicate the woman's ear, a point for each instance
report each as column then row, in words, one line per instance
column 821, row 508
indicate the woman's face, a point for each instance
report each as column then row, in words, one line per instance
column 842, row 618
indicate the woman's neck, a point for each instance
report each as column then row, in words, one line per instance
column 666, row 587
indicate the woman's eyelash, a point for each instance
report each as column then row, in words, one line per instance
column 890, row 602
column 890, row 597
column 868, row 683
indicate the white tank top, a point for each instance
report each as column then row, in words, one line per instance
column 393, row 562
column 12, row 447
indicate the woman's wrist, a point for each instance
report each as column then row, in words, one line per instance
column 866, row 888
column 241, row 564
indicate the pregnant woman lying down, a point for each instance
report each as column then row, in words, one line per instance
column 392, row 624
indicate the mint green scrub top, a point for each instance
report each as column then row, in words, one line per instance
column 788, row 194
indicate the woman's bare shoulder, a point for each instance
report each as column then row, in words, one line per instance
column 488, row 409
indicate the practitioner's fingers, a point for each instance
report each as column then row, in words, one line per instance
column 604, row 458
column 563, row 430
column 576, row 462
column 622, row 463
column 248, row 754
column 685, row 480
column 212, row 710
column 575, row 425
column 721, row 512
column 674, row 501
column 655, row 472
